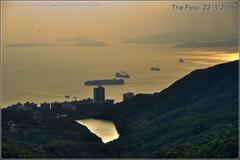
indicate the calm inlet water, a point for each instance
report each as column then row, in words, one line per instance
column 106, row 130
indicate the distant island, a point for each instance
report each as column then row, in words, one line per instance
column 195, row 117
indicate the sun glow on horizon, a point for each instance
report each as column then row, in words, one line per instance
column 213, row 57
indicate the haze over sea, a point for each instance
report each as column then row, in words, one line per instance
column 41, row 74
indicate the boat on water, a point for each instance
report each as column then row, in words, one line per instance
column 104, row 82
column 122, row 75
column 181, row 60
column 155, row 68
column 67, row 96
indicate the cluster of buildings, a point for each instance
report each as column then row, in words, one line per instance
column 99, row 95
column 98, row 98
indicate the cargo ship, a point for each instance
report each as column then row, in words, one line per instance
column 155, row 69
column 104, row 82
column 122, row 75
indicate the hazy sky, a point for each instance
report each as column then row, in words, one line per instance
column 110, row 22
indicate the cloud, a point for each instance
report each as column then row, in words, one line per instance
column 90, row 44
column 209, row 44
column 190, row 40
column 74, row 39
column 170, row 37
column 75, row 42
column 29, row 44
column 178, row 37
column 82, row 42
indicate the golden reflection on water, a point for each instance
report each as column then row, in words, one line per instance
column 230, row 56
column 212, row 57
column 106, row 130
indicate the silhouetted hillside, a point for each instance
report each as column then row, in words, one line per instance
column 194, row 117
column 40, row 134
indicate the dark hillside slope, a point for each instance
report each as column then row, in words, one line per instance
column 197, row 116
column 42, row 135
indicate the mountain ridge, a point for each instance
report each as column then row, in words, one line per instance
column 207, row 104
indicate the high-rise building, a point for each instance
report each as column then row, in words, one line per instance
column 127, row 96
column 99, row 94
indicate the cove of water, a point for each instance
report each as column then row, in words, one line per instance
column 106, row 130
